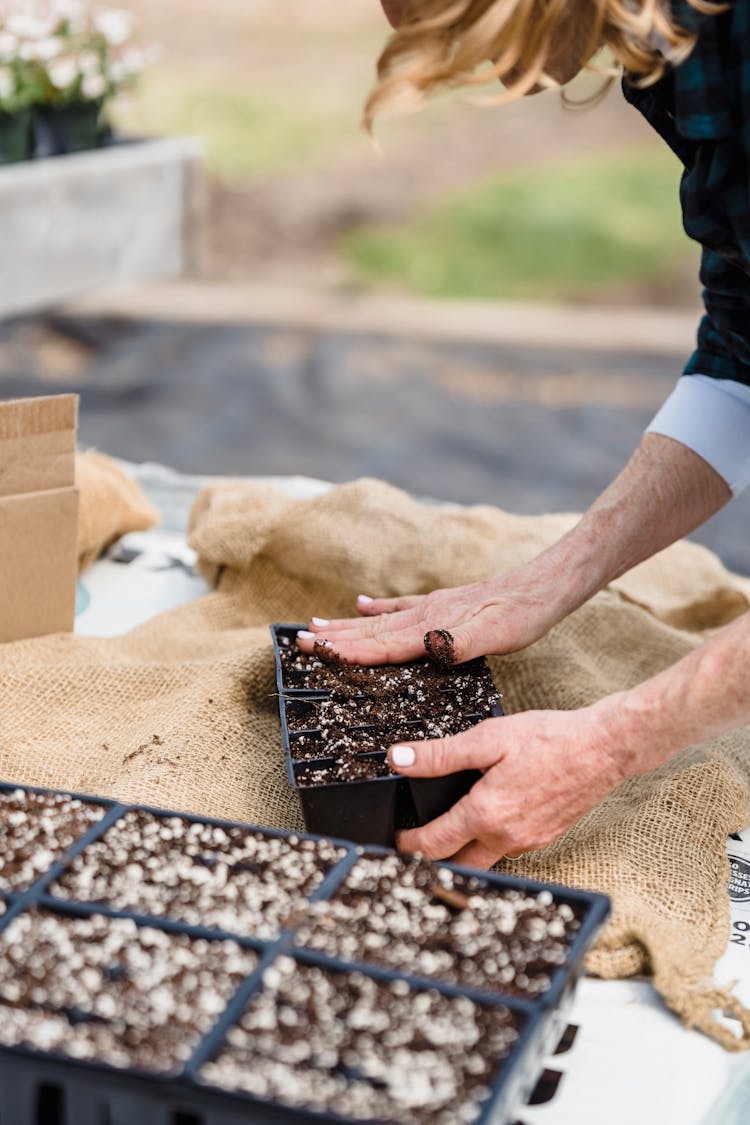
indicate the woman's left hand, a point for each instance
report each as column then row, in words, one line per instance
column 542, row 771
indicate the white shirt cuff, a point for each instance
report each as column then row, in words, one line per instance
column 711, row 417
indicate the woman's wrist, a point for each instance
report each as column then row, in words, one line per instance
column 632, row 733
column 566, row 575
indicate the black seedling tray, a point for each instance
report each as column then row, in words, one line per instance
column 364, row 810
column 39, row 1087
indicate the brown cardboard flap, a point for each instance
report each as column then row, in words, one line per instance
column 38, row 555
column 37, row 444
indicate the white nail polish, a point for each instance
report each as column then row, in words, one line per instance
column 363, row 599
column 306, row 636
column 402, row 755
column 321, row 621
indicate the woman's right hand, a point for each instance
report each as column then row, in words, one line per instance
column 494, row 616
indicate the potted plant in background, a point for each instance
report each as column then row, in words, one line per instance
column 125, row 212
column 18, row 91
column 74, row 58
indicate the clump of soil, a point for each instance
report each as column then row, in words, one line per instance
column 440, row 647
column 344, row 1043
column 408, row 914
column 221, row 877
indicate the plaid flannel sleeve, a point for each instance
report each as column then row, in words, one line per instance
column 723, row 350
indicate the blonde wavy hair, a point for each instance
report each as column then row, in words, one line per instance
column 526, row 44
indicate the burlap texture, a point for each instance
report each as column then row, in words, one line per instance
column 110, row 505
column 181, row 711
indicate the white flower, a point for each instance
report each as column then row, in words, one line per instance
column 132, row 61
column 93, row 86
column 63, row 72
column 30, row 26
column 7, row 82
column 115, row 24
column 72, row 10
column 88, row 63
column 40, row 50
column 8, row 45
column 117, row 72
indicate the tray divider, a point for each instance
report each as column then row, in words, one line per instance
column 247, row 988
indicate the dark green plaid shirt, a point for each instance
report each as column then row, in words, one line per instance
column 702, row 110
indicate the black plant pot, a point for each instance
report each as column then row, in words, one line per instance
column 15, row 136
column 59, row 130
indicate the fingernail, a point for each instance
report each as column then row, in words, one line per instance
column 322, row 621
column 363, row 599
column 306, row 636
column 402, row 755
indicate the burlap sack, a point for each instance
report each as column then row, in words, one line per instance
column 110, row 505
column 181, row 711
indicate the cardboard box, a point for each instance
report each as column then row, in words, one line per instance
column 38, row 516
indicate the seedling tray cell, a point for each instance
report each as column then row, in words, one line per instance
column 36, row 827
column 223, row 873
column 114, row 1009
column 291, row 681
column 433, row 796
column 364, row 809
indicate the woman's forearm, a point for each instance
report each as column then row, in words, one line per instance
column 664, row 492
column 704, row 695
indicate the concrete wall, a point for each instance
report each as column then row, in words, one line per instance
column 72, row 224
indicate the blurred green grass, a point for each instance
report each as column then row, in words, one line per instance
column 550, row 232
column 246, row 131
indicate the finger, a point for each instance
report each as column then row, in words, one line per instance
column 479, row 854
column 352, row 627
column 384, row 648
column 371, row 607
column 471, row 640
column 474, row 749
column 442, row 837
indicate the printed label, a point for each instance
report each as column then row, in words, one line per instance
column 734, row 966
column 739, row 879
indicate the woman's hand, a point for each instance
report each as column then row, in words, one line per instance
column 497, row 615
column 664, row 492
column 543, row 770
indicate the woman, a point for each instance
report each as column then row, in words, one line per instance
column 689, row 74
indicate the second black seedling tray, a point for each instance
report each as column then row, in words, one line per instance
column 82, row 883
column 366, row 810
